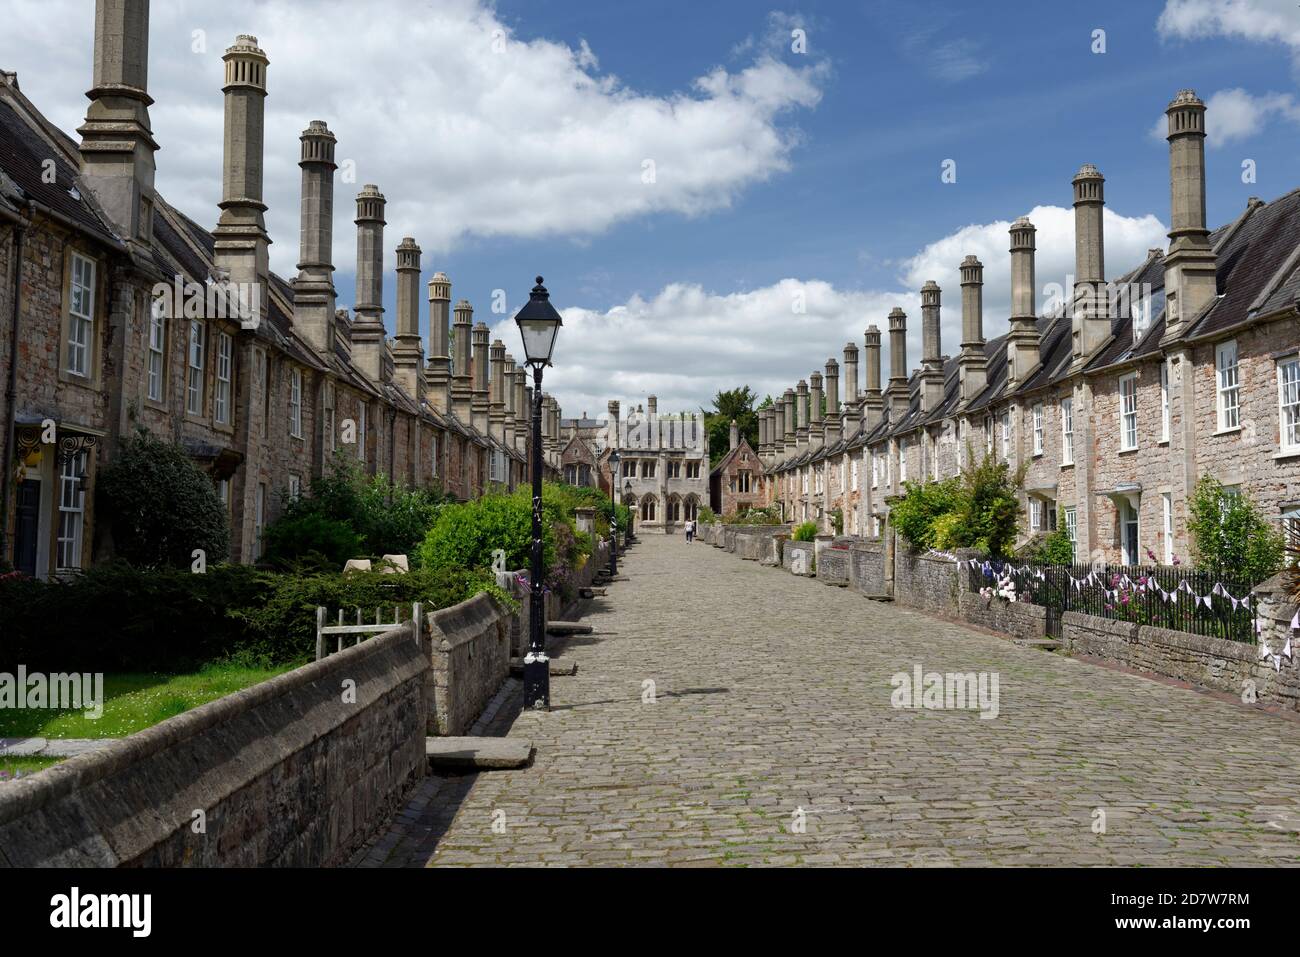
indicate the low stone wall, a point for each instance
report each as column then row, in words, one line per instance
column 470, row 655
column 799, row 558
column 867, row 566
column 770, row 549
column 750, row 542
column 1018, row 618
column 297, row 771
column 929, row 584
column 833, row 565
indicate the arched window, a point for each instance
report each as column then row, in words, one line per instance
column 648, row 508
column 692, row 508
column 674, row 509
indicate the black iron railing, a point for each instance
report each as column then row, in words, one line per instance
column 1213, row 603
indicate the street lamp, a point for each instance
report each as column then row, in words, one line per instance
column 538, row 325
column 613, row 525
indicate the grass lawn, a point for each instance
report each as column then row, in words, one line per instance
column 133, row 702
column 12, row 766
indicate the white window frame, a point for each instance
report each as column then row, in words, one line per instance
column 875, row 470
column 195, row 369
column 1006, row 434
column 902, row 463
column 1128, row 515
column 1227, row 385
column 295, row 487
column 1128, row 425
column 1288, row 404
column 1067, row 431
column 853, row 475
column 295, row 403
column 1164, row 400
column 1072, row 526
column 157, row 365
column 81, row 316
column 1167, row 505
column 1035, row 514
column 1038, row 428
column 225, row 372
column 72, row 512
column 988, row 434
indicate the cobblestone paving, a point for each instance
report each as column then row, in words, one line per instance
column 773, row 693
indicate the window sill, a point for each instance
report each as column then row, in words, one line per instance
column 1067, row 465
column 1128, row 451
column 1287, row 454
column 1231, row 431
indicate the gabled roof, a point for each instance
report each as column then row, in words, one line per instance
column 726, row 460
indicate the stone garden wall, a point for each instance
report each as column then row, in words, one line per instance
column 297, row 771
column 799, row 558
column 470, row 658
column 1017, row 618
column 929, row 584
column 867, row 566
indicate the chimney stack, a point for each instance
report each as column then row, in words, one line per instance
column 816, row 423
column 523, row 410
column 117, row 143
column 972, row 364
column 898, row 396
column 497, row 407
column 833, row 417
column 1191, row 264
column 508, row 378
column 733, row 438
column 1023, row 339
column 408, row 354
column 462, row 379
column 439, row 365
column 873, row 402
column 762, row 432
column 801, row 413
column 791, row 440
column 931, row 347
column 1090, row 321
column 369, row 339
column 480, row 401
column 315, row 303
column 776, row 428
column 850, row 374
column 240, row 237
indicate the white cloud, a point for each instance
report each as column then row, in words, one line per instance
column 1274, row 21
column 1236, row 114
column 685, row 343
column 532, row 141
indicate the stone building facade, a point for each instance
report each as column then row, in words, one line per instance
column 736, row 483
column 663, row 468
column 1115, row 404
column 121, row 313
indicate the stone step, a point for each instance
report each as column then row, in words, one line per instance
column 561, row 667
column 591, row 593
column 1042, row 644
column 567, row 628
column 462, row 754
column 880, row 597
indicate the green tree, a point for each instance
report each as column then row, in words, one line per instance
column 1229, row 534
column 731, row 404
column 162, row 506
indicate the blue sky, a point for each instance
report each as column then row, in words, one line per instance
column 779, row 175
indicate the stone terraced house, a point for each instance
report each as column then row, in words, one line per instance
column 120, row 312
column 1116, row 404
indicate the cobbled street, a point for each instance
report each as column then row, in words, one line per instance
column 772, row 693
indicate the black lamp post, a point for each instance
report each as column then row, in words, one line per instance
column 613, row 525
column 539, row 324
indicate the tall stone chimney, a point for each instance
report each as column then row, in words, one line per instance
column 931, row 347
column 117, row 143
column 791, row 436
column 733, row 437
column 512, row 419
column 1090, row 323
column 873, row 402
column 240, row 237
column 816, row 422
column 462, row 379
column 1191, row 264
column 763, row 416
column 833, row 417
column 776, row 428
column 801, row 413
column 497, row 395
column 315, row 304
column 408, row 354
column 368, row 335
column 972, row 364
column 897, row 365
column 613, row 439
column 850, row 375
column 481, row 402
column 523, row 411
column 1023, row 339
column 439, row 366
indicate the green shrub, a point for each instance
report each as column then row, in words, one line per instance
column 466, row 535
column 706, row 514
column 310, row 539
column 915, row 513
column 161, row 506
column 1056, row 548
column 1228, row 532
column 805, row 532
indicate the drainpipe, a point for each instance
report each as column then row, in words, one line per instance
column 392, row 447
column 11, row 385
